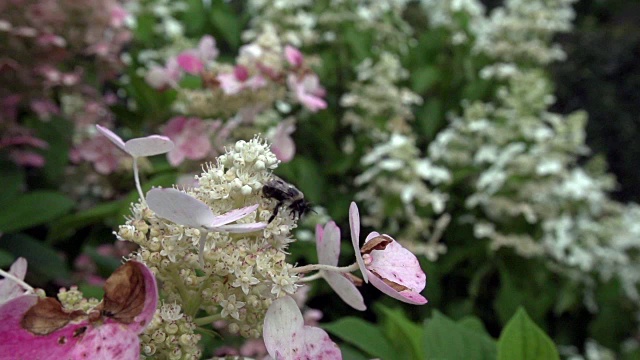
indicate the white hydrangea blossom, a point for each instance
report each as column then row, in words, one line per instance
column 529, row 190
column 242, row 273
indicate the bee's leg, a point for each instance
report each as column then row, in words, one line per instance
column 275, row 212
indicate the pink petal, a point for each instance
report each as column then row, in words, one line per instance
column 229, row 84
column 281, row 143
column 232, row 216
column 241, row 228
column 399, row 265
column 180, row 207
column 294, row 56
column 150, row 300
column 407, row 296
column 286, row 337
column 75, row 341
column 190, row 63
column 112, row 136
column 354, row 225
column 9, row 289
column 207, row 48
column 347, row 291
column 148, row 146
column 328, row 244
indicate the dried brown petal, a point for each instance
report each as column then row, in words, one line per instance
column 47, row 316
column 379, row 242
column 124, row 294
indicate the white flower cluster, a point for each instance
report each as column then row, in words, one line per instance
column 396, row 192
column 164, row 14
column 522, row 30
column 170, row 334
column 375, row 101
column 307, row 23
column 529, row 192
column 242, row 273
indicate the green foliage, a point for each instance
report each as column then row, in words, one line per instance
column 31, row 209
column 523, row 339
column 465, row 339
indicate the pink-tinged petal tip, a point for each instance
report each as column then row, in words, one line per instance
column 148, row 146
column 354, row 225
column 117, row 140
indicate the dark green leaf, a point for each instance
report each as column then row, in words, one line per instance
column 363, row 335
column 67, row 225
column 406, row 334
column 32, row 209
column 446, row 339
column 523, row 339
column 44, row 262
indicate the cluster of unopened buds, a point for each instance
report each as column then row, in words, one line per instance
column 219, row 252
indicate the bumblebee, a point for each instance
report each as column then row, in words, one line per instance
column 287, row 195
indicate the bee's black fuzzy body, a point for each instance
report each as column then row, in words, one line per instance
column 286, row 195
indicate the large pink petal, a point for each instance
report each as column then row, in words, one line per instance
column 190, row 63
column 399, row 265
column 75, row 341
column 148, row 146
column 347, row 291
column 328, row 245
column 180, row 207
column 407, row 296
column 117, row 140
column 9, row 289
column 354, row 225
column 294, row 56
column 232, row 216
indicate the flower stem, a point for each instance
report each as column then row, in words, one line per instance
column 315, row 267
column 136, row 176
column 207, row 319
column 310, row 278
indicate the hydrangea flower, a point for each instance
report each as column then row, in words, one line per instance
column 36, row 328
column 191, row 139
column 239, row 80
column 389, row 267
column 286, row 336
column 282, row 144
column 308, row 91
column 162, row 77
column 328, row 247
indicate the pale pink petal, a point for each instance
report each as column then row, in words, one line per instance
column 26, row 158
column 112, row 136
column 347, row 291
column 9, row 289
column 281, row 143
column 148, row 146
column 240, row 228
column 229, row 83
column 294, row 56
column 328, row 245
column 190, row 62
column 232, row 216
column 175, row 157
column 286, row 337
column 106, row 342
column 179, row 207
column 354, row 225
column 256, row 82
column 207, row 48
column 407, row 296
column 399, row 265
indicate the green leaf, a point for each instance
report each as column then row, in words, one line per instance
column 226, row 22
column 363, row 335
column 406, row 334
column 446, row 339
column 68, row 225
column 523, row 339
column 44, row 262
column 6, row 259
column 57, row 134
column 424, row 78
column 12, row 179
column 32, row 209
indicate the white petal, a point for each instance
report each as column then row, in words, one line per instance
column 328, row 244
column 179, row 207
column 117, row 140
column 233, row 215
column 240, row 228
column 282, row 320
column 345, row 289
column 354, row 225
column 148, row 146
